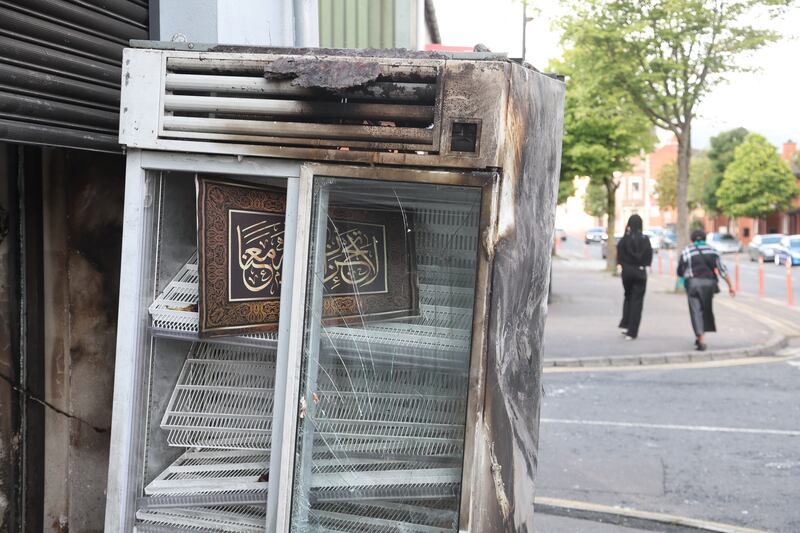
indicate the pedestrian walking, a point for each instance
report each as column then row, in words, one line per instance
column 634, row 255
column 701, row 267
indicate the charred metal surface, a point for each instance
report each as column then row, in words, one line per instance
column 391, row 53
column 519, row 290
column 324, row 74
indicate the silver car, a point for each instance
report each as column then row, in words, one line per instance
column 764, row 246
column 724, row 243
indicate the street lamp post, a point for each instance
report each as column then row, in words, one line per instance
column 525, row 20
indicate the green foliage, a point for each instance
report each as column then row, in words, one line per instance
column 602, row 129
column 757, row 182
column 566, row 188
column 667, row 55
column 721, row 155
column 700, row 174
column 595, row 202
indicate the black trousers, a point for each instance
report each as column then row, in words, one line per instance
column 700, row 292
column 634, row 281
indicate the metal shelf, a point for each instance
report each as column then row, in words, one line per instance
column 174, row 312
column 223, row 399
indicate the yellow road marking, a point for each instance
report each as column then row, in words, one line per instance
column 644, row 515
column 670, row 366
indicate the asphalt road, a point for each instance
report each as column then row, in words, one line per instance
column 774, row 275
column 720, row 444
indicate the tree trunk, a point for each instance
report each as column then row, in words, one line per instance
column 682, row 193
column 611, row 211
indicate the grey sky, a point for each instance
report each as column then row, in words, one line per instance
column 767, row 102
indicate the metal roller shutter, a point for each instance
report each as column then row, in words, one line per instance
column 60, row 66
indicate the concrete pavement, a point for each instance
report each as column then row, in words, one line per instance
column 585, row 309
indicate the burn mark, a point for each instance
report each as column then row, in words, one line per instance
column 323, row 74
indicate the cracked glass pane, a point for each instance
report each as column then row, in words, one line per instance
column 388, row 327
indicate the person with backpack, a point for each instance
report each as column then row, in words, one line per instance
column 701, row 267
column 634, row 255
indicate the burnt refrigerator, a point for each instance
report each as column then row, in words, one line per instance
column 333, row 291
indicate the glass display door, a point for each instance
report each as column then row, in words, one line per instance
column 386, row 355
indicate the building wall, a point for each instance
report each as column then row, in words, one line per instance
column 60, row 412
column 571, row 217
column 83, row 203
column 370, row 23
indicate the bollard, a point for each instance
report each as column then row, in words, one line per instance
column 789, row 295
column 760, row 277
column 736, row 272
column 660, row 270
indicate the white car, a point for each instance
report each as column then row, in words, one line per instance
column 724, row 243
column 655, row 238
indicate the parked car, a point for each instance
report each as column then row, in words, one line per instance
column 669, row 240
column 595, row 235
column 764, row 246
column 657, row 239
column 789, row 248
column 561, row 234
column 724, row 243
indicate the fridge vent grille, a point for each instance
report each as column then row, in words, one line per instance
column 232, row 100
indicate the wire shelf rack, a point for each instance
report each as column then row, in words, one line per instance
column 238, row 519
column 382, row 517
column 174, row 312
column 223, row 399
column 205, row 472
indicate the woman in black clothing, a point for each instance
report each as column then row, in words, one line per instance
column 634, row 255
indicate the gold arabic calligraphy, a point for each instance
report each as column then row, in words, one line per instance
column 352, row 259
column 261, row 256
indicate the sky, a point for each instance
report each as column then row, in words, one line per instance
column 767, row 102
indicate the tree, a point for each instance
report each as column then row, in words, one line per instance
column 757, row 182
column 721, row 155
column 602, row 131
column 667, row 55
column 566, row 188
column 595, row 202
column 700, row 174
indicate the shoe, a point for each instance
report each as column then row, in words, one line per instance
column 700, row 347
column 623, row 333
column 629, row 338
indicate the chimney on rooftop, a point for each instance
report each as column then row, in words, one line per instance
column 789, row 148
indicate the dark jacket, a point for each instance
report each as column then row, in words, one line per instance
column 634, row 251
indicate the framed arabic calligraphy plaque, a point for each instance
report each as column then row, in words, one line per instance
column 240, row 252
column 370, row 271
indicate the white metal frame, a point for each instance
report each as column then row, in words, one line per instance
column 133, row 334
